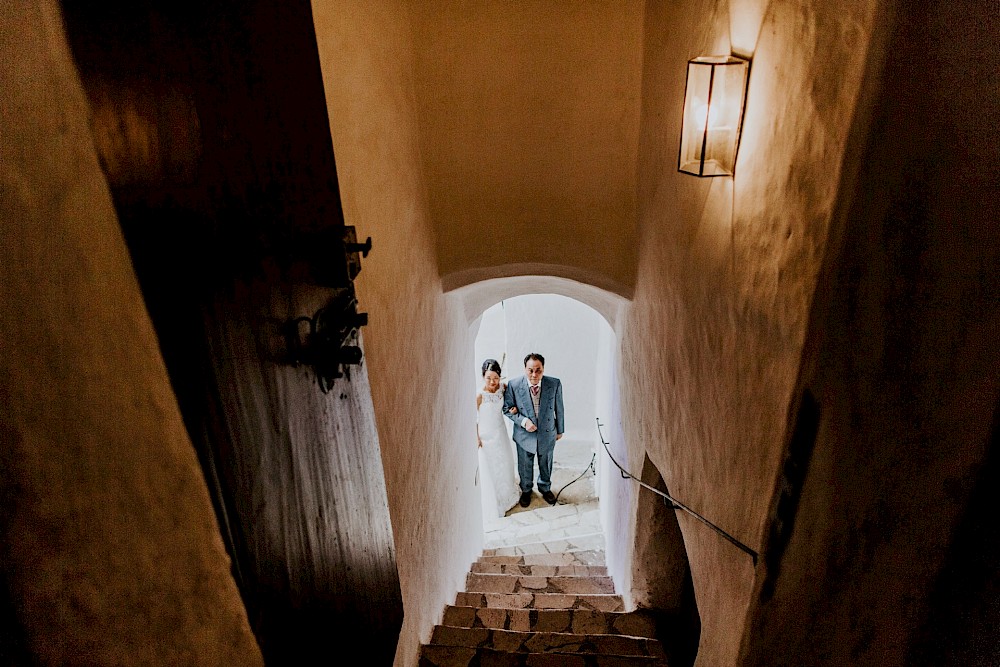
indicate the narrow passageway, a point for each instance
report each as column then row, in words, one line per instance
column 540, row 592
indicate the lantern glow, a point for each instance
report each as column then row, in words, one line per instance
column 713, row 115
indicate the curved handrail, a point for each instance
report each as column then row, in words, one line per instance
column 590, row 467
column 674, row 503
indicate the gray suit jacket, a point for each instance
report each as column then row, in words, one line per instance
column 549, row 420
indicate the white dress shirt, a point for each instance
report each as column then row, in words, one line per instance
column 534, row 402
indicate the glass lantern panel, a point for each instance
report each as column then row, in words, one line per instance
column 696, row 117
column 713, row 107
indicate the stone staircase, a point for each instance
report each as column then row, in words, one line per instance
column 543, row 604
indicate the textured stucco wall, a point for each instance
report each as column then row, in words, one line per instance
column 110, row 548
column 418, row 343
column 902, row 358
column 727, row 267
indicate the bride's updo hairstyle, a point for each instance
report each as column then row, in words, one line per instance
column 491, row 365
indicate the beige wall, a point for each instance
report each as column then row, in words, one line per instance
column 528, row 127
column 418, row 346
column 712, row 343
column 111, row 552
column 902, row 358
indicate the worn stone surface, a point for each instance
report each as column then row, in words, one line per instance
column 505, row 583
column 460, row 617
column 633, row 623
column 451, row 656
column 539, row 601
column 446, row 656
column 582, row 621
column 545, row 642
column 534, row 625
column 575, row 542
column 539, row 570
column 581, row 557
column 585, row 558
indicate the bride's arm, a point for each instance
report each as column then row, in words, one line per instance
column 513, row 408
column 479, row 402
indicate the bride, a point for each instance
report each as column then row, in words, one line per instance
column 500, row 488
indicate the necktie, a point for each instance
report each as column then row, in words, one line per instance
column 534, row 390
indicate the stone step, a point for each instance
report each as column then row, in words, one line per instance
column 582, row 557
column 597, row 602
column 513, row 583
column 531, row 527
column 540, row 570
column 587, row 541
column 578, row 539
column 586, row 621
column 432, row 655
column 546, row 642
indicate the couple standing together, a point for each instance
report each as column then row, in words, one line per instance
column 534, row 403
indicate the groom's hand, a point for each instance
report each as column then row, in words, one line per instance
column 530, row 426
column 558, row 435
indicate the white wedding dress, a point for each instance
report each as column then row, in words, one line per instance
column 497, row 469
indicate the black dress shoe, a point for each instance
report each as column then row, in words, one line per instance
column 549, row 497
column 525, row 499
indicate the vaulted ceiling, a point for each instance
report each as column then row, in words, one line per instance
column 528, row 122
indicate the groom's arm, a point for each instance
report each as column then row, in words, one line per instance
column 510, row 404
column 560, row 421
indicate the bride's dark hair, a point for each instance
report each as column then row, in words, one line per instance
column 491, row 365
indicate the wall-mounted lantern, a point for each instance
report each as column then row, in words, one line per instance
column 713, row 115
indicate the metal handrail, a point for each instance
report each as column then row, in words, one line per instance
column 590, row 467
column 674, row 503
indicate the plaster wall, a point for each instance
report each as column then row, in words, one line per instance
column 712, row 343
column 617, row 493
column 491, row 343
column 418, row 342
column 111, row 553
column 528, row 127
column 605, row 405
column 902, row 359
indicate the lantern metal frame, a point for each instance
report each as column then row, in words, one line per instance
column 713, row 156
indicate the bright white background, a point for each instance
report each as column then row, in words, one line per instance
column 575, row 341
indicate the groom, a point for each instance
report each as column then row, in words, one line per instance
column 538, row 423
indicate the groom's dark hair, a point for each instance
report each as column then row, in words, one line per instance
column 534, row 355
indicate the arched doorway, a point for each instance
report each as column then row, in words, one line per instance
column 477, row 298
column 578, row 345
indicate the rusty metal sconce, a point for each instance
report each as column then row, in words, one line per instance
column 714, row 97
column 328, row 340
